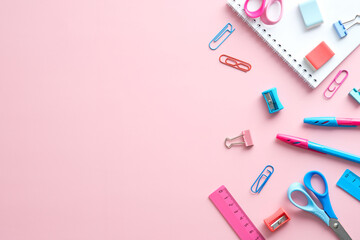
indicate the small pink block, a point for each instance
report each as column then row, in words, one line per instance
column 319, row 56
column 247, row 138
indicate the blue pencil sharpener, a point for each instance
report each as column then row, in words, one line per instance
column 272, row 100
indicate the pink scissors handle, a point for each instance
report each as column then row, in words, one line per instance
column 264, row 17
column 256, row 13
column 262, row 12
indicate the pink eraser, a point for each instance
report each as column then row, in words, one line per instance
column 247, row 138
column 319, row 56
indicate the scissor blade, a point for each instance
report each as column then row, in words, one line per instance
column 339, row 230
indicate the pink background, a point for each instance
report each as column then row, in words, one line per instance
column 114, row 113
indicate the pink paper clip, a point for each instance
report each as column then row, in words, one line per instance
column 245, row 139
column 332, row 89
column 235, row 63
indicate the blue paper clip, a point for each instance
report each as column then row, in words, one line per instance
column 355, row 94
column 272, row 100
column 220, row 34
column 341, row 30
column 260, row 177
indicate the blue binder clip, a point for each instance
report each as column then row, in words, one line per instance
column 340, row 28
column 220, row 34
column 272, row 100
column 355, row 94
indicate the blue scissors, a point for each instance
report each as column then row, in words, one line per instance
column 326, row 214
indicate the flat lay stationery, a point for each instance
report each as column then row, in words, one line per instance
column 302, row 34
column 164, row 120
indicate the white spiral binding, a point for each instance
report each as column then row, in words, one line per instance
column 234, row 4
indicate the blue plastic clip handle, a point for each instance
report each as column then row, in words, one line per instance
column 220, row 34
column 272, row 100
column 340, row 29
column 323, row 197
column 311, row 206
column 355, row 94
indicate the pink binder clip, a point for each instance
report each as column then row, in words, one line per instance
column 244, row 137
column 335, row 85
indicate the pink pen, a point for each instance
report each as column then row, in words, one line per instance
column 306, row 144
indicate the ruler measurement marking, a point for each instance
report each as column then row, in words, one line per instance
column 234, row 215
column 350, row 183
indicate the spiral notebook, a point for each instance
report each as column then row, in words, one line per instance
column 290, row 39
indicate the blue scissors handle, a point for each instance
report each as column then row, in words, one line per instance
column 310, row 206
column 323, row 197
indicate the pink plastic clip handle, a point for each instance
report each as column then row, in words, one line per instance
column 257, row 13
column 332, row 88
column 264, row 17
column 262, row 12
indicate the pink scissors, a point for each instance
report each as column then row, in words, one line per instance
column 262, row 12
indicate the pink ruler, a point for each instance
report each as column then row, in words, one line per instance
column 234, row 215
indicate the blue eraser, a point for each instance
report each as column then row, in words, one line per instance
column 311, row 14
column 340, row 29
column 355, row 94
